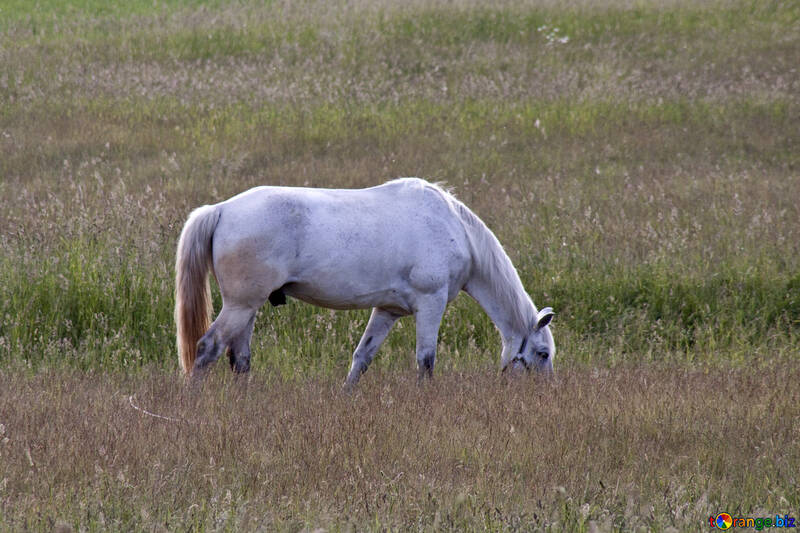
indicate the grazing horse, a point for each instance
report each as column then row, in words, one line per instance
column 405, row 247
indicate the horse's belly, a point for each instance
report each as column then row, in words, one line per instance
column 344, row 298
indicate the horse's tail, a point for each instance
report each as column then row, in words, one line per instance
column 192, row 288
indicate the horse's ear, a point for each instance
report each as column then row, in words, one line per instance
column 544, row 317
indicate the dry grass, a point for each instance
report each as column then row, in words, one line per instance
column 653, row 448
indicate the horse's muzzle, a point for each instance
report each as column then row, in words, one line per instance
column 517, row 365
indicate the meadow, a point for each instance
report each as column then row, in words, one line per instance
column 639, row 161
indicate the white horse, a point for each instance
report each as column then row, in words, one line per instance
column 405, row 247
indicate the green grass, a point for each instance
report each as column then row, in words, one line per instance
column 96, row 309
column 52, row 11
column 640, row 165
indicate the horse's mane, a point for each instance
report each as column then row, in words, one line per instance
column 492, row 263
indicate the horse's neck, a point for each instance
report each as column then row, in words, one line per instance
column 482, row 292
column 494, row 283
column 493, row 298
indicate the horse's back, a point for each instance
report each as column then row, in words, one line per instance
column 407, row 209
column 345, row 248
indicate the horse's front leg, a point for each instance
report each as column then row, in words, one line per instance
column 380, row 322
column 429, row 317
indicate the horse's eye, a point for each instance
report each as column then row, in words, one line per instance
column 543, row 355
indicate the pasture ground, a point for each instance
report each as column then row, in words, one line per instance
column 647, row 448
column 640, row 162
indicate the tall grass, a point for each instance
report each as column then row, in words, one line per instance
column 648, row 449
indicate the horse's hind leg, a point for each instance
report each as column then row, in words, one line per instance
column 231, row 329
column 239, row 354
column 380, row 322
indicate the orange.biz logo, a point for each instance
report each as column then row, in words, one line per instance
column 726, row 521
column 722, row 521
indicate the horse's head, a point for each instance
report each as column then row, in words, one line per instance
column 537, row 349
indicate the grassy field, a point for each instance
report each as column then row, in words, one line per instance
column 631, row 449
column 640, row 162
